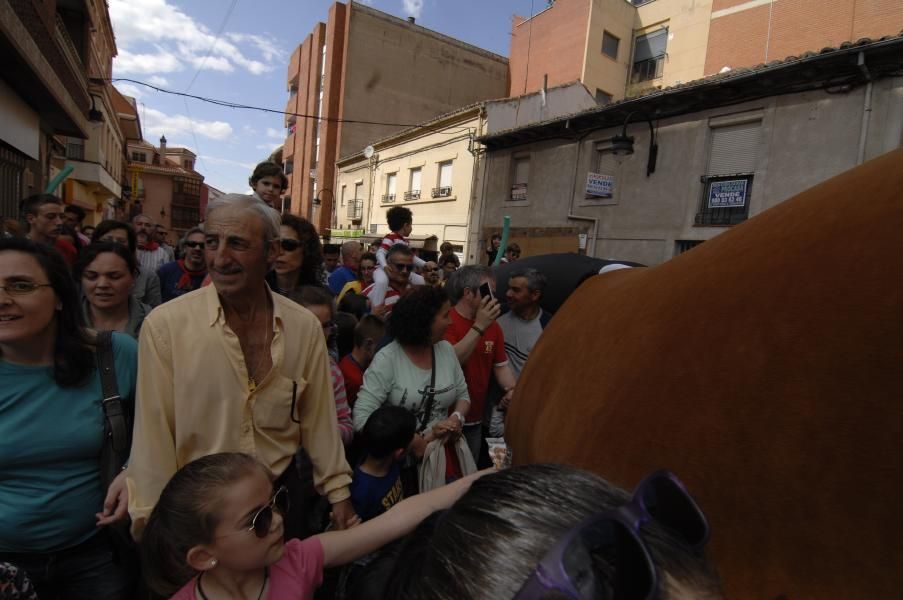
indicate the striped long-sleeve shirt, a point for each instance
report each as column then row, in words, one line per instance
column 342, row 411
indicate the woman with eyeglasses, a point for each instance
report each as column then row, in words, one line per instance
column 553, row 531
column 301, row 261
column 147, row 284
column 106, row 271
column 53, row 508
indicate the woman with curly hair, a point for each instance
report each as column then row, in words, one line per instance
column 301, row 261
column 417, row 362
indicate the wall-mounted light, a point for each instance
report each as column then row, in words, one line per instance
column 162, row 212
column 94, row 114
column 622, row 144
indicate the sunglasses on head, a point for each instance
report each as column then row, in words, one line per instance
column 605, row 556
column 195, row 245
column 263, row 518
column 289, row 245
column 402, row 267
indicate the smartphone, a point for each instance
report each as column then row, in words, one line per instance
column 485, row 290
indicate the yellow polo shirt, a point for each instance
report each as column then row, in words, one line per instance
column 193, row 398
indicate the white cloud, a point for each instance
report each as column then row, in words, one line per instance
column 128, row 89
column 228, row 161
column 413, row 8
column 276, row 134
column 268, row 148
column 156, row 123
column 158, row 81
column 170, row 41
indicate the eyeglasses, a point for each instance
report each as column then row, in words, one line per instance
column 368, row 268
column 289, row 245
column 22, row 288
column 402, row 267
column 195, row 245
column 605, row 556
column 263, row 518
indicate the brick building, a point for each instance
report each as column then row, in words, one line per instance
column 366, row 65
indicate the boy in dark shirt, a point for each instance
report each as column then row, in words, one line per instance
column 367, row 334
column 376, row 483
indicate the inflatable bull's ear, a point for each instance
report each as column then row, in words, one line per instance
column 765, row 369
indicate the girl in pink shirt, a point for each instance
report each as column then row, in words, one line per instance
column 216, row 532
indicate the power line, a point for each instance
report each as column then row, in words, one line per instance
column 219, row 32
column 237, row 105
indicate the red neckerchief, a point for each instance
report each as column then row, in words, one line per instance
column 185, row 280
column 149, row 246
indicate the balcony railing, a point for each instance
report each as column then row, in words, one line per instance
column 75, row 151
column 412, row 195
column 355, row 209
column 442, row 192
column 388, row 198
column 70, row 52
column 519, row 191
column 647, row 70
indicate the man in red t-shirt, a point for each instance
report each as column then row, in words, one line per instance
column 479, row 344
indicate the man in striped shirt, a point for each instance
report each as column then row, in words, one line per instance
column 151, row 255
column 399, row 266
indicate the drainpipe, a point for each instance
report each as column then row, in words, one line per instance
column 866, row 108
column 591, row 246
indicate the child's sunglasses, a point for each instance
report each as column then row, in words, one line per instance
column 605, row 556
column 263, row 518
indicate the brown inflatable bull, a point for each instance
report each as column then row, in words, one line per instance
column 765, row 368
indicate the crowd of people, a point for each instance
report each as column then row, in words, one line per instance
column 288, row 413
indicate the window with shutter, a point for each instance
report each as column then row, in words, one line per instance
column 728, row 181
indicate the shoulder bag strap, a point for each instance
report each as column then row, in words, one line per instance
column 429, row 397
column 116, row 431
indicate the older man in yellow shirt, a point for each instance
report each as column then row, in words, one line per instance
column 234, row 367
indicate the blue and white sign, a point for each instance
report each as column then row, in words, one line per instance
column 728, row 194
column 600, row 186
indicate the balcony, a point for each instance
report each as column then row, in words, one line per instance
column 355, row 209
column 70, row 53
column 647, row 70
column 412, row 195
column 519, row 192
column 76, row 150
column 388, row 198
column 441, row 192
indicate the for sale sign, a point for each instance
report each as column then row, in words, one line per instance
column 730, row 193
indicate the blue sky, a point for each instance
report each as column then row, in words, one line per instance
column 174, row 44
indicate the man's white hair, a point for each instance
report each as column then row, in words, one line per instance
column 268, row 216
column 349, row 247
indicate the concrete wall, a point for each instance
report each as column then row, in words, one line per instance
column 601, row 72
column 747, row 33
column 524, row 110
column 446, row 218
column 805, row 139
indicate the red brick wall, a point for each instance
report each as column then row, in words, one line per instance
column 797, row 26
column 556, row 46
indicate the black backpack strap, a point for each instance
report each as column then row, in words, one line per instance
column 429, row 398
column 116, row 430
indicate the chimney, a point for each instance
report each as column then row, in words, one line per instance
column 411, row 20
column 163, row 144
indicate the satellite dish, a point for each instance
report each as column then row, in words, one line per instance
column 368, row 152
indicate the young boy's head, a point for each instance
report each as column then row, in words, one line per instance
column 367, row 333
column 388, row 432
column 400, row 220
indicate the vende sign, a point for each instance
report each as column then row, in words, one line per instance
column 600, row 186
column 730, row 193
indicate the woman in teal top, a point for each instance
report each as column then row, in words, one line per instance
column 52, row 506
column 400, row 373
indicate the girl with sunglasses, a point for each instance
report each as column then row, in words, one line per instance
column 216, row 532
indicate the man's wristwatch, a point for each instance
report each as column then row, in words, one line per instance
column 460, row 417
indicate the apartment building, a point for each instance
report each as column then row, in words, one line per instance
column 624, row 48
column 361, row 76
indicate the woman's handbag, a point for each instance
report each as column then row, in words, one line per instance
column 432, row 469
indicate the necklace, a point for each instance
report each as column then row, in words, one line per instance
column 252, row 383
column 266, row 577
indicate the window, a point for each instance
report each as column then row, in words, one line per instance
column 604, row 189
column 288, row 167
column 139, row 157
column 727, row 184
column 389, row 196
column 520, row 174
column 342, row 195
column 445, row 181
column 682, row 246
column 610, row 45
column 649, row 56
column 413, row 192
column 603, row 98
column 359, row 191
column 188, row 165
column 75, row 148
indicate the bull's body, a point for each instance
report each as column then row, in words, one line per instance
column 765, row 368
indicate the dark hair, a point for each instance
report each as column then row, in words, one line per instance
column 73, row 356
column 32, row 204
column 496, row 236
column 354, row 304
column 370, row 327
column 268, row 169
column 70, row 231
column 413, row 314
column 95, row 249
column 314, row 295
column 402, row 249
column 344, row 332
column 446, row 246
column 368, row 256
column 312, row 263
column 105, row 227
column 388, row 429
column 536, row 281
column 398, row 216
column 513, row 247
column 332, row 249
column 75, row 210
column 490, row 541
column 449, row 258
column 187, row 514
column 469, row 277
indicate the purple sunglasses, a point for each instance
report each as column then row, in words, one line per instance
column 605, row 555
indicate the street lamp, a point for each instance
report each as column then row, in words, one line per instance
column 622, row 144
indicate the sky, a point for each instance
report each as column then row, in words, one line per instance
column 238, row 51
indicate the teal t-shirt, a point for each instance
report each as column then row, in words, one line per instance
column 50, row 442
